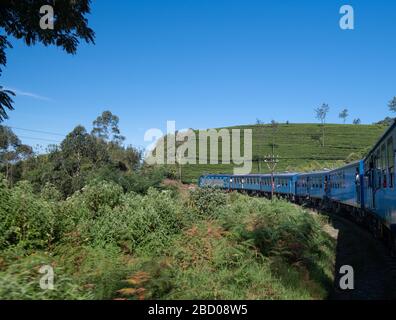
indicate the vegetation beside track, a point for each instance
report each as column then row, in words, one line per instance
column 107, row 244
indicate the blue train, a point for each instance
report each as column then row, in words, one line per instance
column 364, row 189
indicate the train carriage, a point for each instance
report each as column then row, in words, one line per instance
column 346, row 185
column 285, row 184
column 379, row 178
column 302, row 191
column 366, row 188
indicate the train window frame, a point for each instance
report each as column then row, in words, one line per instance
column 384, row 167
column 377, row 182
column 391, row 162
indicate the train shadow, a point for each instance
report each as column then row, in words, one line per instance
column 373, row 277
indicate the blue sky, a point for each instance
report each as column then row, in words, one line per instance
column 208, row 63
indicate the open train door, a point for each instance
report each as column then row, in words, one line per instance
column 376, row 185
column 359, row 174
column 327, row 186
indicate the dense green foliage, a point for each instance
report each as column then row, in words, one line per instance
column 105, row 243
column 79, row 159
column 114, row 228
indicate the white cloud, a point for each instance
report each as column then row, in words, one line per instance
column 29, row 94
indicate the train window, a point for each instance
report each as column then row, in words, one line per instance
column 383, row 156
column 391, row 162
column 378, row 169
column 383, row 165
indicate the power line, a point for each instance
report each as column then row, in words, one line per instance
column 41, row 139
column 39, row 131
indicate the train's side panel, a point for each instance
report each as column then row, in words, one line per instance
column 345, row 186
column 251, row 183
column 302, row 186
column 285, row 184
column 266, row 185
column 293, row 184
column 379, row 178
column 316, row 184
column 214, row 181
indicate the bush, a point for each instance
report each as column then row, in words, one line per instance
column 50, row 193
column 207, row 201
column 100, row 270
column 139, row 221
column 101, row 193
column 27, row 220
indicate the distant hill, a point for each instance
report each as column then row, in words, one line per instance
column 299, row 147
column 387, row 121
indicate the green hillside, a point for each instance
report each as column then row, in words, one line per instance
column 299, row 147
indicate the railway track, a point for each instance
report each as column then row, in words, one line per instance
column 374, row 268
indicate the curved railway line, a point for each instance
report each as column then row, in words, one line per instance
column 364, row 190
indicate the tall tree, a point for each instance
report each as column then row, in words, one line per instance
column 321, row 114
column 11, row 151
column 106, row 127
column 357, row 121
column 21, row 19
column 344, row 115
column 392, row 105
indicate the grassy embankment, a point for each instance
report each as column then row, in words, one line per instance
column 299, row 147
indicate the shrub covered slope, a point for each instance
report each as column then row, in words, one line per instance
column 104, row 243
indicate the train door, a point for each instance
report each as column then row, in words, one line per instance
column 307, row 187
column 327, row 186
column 358, row 185
column 371, row 182
column 376, row 179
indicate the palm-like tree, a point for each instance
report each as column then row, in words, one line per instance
column 5, row 102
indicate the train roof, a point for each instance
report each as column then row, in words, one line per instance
column 351, row 164
column 391, row 127
column 285, row 174
column 314, row 173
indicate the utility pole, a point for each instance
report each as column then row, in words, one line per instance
column 272, row 161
